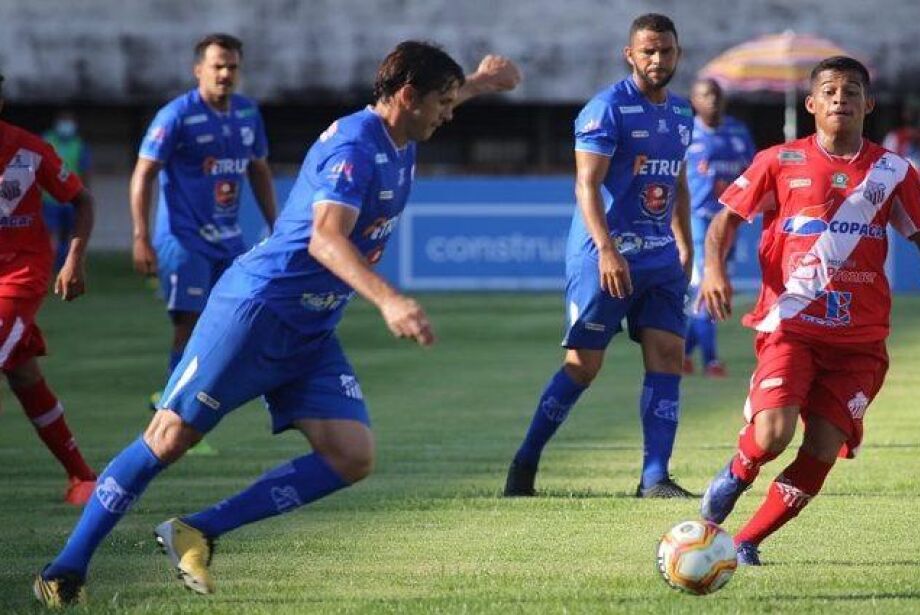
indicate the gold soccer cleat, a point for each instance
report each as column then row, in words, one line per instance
column 189, row 551
column 59, row 592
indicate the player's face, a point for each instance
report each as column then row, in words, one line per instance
column 653, row 57
column 430, row 111
column 707, row 101
column 839, row 102
column 218, row 72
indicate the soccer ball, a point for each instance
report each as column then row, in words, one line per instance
column 697, row 557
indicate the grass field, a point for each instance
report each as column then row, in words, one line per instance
column 428, row 531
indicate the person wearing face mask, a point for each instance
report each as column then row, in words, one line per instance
column 64, row 137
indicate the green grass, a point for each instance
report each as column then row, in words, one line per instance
column 428, row 531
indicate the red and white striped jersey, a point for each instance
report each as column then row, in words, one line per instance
column 825, row 236
column 28, row 164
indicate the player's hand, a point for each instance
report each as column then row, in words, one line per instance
column 145, row 258
column 614, row 273
column 71, row 280
column 496, row 74
column 406, row 319
column 716, row 294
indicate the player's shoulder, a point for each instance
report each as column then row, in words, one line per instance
column 792, row 153
column 623, row 92
column 893, row 160
column 680, row 105
column 358, row 131
column 22, row 137
column 243, row 106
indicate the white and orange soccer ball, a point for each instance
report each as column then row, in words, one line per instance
column 697, row 557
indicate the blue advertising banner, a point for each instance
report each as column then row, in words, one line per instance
column 509, row 233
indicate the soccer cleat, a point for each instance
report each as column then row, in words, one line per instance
column 665, row 488
column 520, row 480
column 688, row 367
column 715, row 369
column 79, row 491
column 721, row 495
column 59, row 592
column 748, row 554
column 189, row 551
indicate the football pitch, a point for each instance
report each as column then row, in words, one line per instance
column 428, row 531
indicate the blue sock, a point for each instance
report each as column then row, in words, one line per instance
column 706, row 331
column 659, row 409
column 117, row 489
column 280, row 490
column 174, row 357
column 558, row 398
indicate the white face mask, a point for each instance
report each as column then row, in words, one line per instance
column 66, row 128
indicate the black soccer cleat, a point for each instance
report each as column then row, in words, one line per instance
column 520, row 480
column 665, row 488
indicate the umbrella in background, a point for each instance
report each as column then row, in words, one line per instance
column 772, row 63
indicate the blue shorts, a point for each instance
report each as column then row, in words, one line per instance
column 186, row 277
column 239, row 350
column 594, row 316
column 58, row 216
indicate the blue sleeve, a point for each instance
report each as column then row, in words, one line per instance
column 260, row 145
column 751, row 148
column 344, row 176
column 162, row 136
column 596, row 129
column 86, row 160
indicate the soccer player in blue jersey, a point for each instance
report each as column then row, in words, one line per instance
column 269, row 326
column 202, row 145
column 720, row 150
column 628, row 255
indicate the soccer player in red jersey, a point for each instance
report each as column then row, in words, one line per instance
column 823, row 311
column 27, row 165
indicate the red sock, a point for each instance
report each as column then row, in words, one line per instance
column 747, row 462
column 47, row 415
column 788, row 495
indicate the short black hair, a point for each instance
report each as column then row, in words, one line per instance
column 655, row 22
column 423, row 65
column 842, row 64
column 715, row 85
column 227, row 41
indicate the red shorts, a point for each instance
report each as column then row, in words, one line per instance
column 834, row 381
column 20, row 337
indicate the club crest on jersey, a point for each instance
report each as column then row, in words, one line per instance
column 874, row 192
column 226, row 192
column 663, row 126
column 247, row 135
column 684, row 133
column 655, row 199
column 839, row 180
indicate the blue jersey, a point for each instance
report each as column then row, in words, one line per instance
column 205, row 156
column 356, row 164
column 646, row 144
column 715, row 158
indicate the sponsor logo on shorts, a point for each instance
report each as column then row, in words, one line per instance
column 742, row 182
column 207, row 400
column 595, row 326
column 350, row 386
column 285, row 498
column 639, row 134
column 857, row 405
column 195, row 291
column 202, row 139
column 386, row 195
column 770, row 383
column 113, row 497
column 323, row 302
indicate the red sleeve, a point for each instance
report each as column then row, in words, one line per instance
column 752, row 192
column 54, row 177
column 905, row 207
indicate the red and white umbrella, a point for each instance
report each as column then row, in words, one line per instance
column 772, row 63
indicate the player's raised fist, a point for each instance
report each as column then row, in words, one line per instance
column 496, row 73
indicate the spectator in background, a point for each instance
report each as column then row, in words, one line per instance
column 905, row 140
column 65, row 138
column 720, row 150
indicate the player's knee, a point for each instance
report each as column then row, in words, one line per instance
column 169, row 437
column 775, row 429
column 582, row 373
column 24, row 376
column 353, row 465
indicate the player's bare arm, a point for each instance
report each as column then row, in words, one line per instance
column 680, row 222
column 260, row 179
column 716, row 288
column 141, row 195
column 71, row 280
column 330, row 245
column 494, row 74
column 590, row 170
